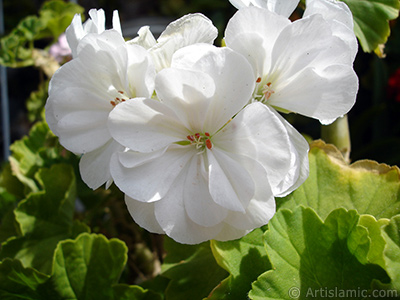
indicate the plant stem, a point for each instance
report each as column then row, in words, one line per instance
column 338, row 134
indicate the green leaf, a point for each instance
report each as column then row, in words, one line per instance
column 57, row 15
column 36, row 101
column 310, row 256
column 245, row 259
column 45, row 218
column 123, row 291
column 16, row 48
column 371, row 20
column 366, row 186
column 87, row 267
column 17, row 282
column 391, row 253
column 192, row 269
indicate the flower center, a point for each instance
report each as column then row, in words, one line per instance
column 263, row 90
column 119, row 99
column 200, row 140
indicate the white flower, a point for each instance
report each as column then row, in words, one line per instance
column 96, row 24
column 300, row 66
column 281, row 7
column 105, row 72
column 188, row 30
column 200, row 166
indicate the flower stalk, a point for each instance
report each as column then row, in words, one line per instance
column 338, row 134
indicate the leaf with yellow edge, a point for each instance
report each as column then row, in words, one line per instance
column 366, row 186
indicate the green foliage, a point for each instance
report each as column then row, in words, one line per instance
column 245, row 260
column 192, row 270
column 309, row 255
column 54, row 16
column 371, row 21
column 332, row 184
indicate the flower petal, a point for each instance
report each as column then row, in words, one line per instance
column 145, row 125
column 339, row 16
column 145, row 38
column 230, row 184
column 188, row 30
column 95, row 166
column 231, row 73
column 171, row 214
column 199, row 204
column 258, row 133
column 143, row 214
column 188, row 94
column 261, row 207
column 144, row 182
column 252, row 32
column 283, row 8
column 325, row 95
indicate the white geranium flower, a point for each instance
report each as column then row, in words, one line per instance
column 95, row 24
column 188, row 30
column 105, row 72
column 299, row 66
column 200, row 166
column 281, row 7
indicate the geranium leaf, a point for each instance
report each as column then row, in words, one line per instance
column 371, row 21
column 17, row 282
column 87, row 267
column 45, row 218
column 192, row 270
column 366, row 186
column 309, row 255
column 123, row 291
column 391, row 233
column 245, row 259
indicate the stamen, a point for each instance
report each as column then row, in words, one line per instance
column 208, row 144
column 201, row 141
column 267, row 91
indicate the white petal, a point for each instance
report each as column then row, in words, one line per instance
column 299, row 167
column 228, row 232
column 143, row 214
column 198, row 202
column 116, row 22
column 95, row 166
column 171, row 214
column 257, row 133
column 140, row 72
column 252, row 32
column 261, row 207
column 145, row 38
column 281, row 7
column 83, row 131
column 150, row 179
column 240, row 3
column 188, row 93
column 231, row 73
column 97, row 21
column 230, row 184
column 75, row 33
column 188, row 30
column 307, row 43
column 145, row 125
column 339, row 16
column 325, row 95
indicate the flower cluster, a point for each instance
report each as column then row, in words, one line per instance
column 190, row 132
